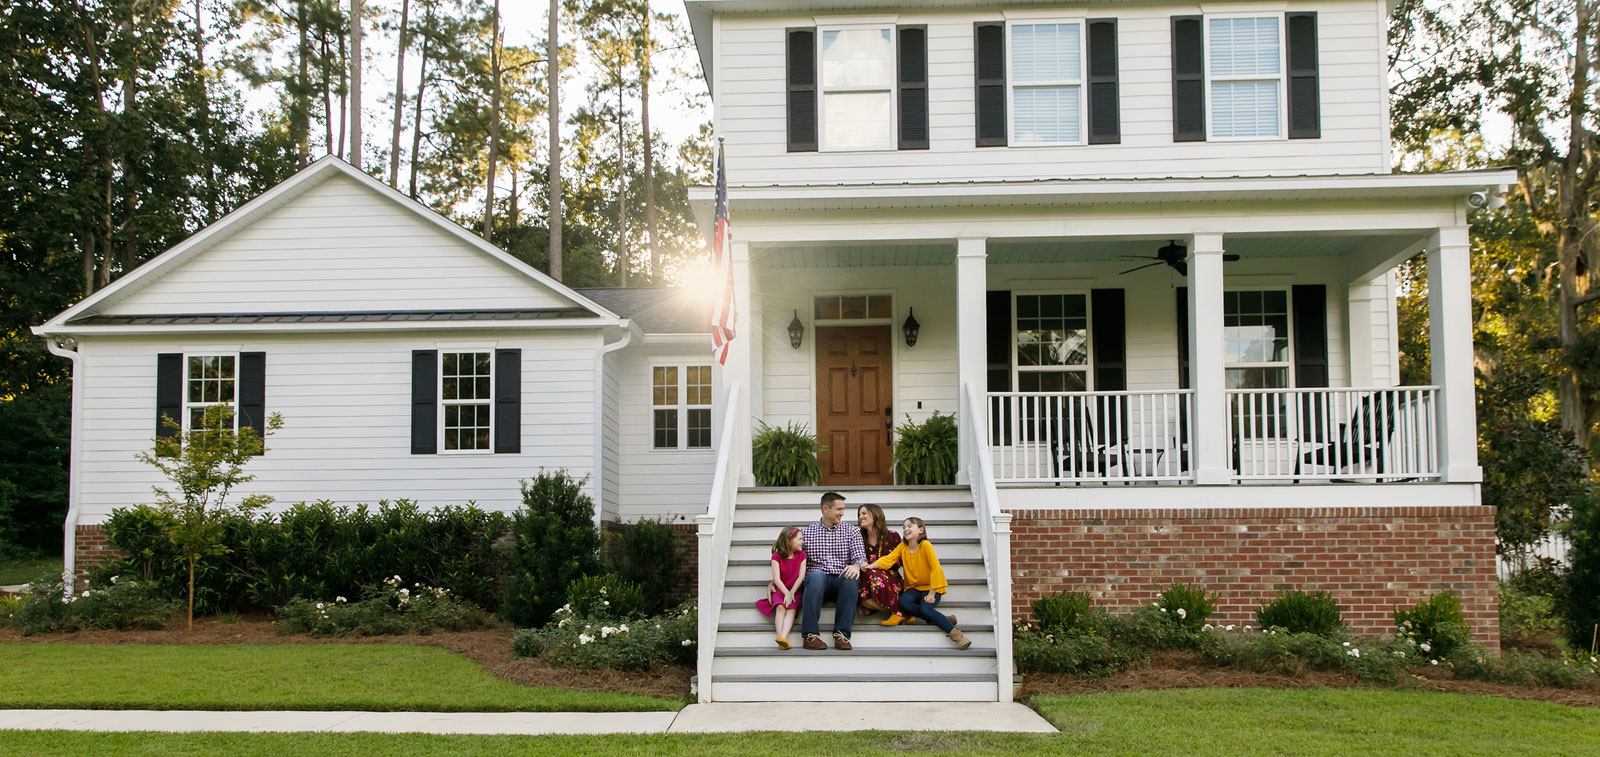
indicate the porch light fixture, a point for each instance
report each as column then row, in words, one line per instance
column 797, row 331
column 911, row 327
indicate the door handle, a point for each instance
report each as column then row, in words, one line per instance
column 888, row 433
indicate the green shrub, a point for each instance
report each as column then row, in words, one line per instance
column 646, row 554
column 1521, row 669
column 1190, row 605
column 1540, row 575
column 1435, row 626
column 1061, row 611
column 389, row 608
column 926, row 453
column 1527, row 620
column 1301, row 612
column 603, row 643
column 607, row 597
column 1580, row 595
column 1084, row 655
column 1148, row 628
column 555, row 541
column 785, row 456
column 120, row 605
column 9, row 605
column 1295, row 653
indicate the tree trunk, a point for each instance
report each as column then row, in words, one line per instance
column 205, row 115
column 422, row 87
column 622, row 183
column 553, row 83
column 399, row 93
column 355, row 83
column 130, row 174
column 300, row 98
column 86, row 260
column 1574, row 196
column 191, row 593
column 646, row 50
column 494, row 126
column 344, row 92
column 327, row 91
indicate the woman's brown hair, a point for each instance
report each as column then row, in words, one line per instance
column 786, row 538
column 878, row 523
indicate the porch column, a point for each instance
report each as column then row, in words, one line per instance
column 1210, row 446
column 1450, row 345
column 1363, row 299
column 972, row 365
column 741, row 365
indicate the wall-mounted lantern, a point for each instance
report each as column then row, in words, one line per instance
column 797, row 331
column 911, row 327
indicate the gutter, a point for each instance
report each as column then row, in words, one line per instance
column 629, row 327
column 67, row 347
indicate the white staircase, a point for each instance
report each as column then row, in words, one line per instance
column 914, row 662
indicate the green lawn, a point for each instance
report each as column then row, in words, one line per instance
column 1176, row 722
column 27, row 570
column 276, row 677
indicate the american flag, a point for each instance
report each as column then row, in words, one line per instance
column 723, row 315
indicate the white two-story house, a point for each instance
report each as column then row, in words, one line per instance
column 1143, row 251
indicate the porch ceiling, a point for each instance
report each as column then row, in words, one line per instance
column 1001, row 251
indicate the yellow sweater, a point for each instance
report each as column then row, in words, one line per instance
column 922, row 567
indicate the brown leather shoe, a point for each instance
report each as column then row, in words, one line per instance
column 814, row 642
column 961, row 640
column 840, row 642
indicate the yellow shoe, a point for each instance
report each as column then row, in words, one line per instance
column 894, row 620
column 783, row 643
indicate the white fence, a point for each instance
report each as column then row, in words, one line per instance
column 1374, row 434
column 1554, row 546
column 1040, row 437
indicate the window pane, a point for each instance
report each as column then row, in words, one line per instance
column 878, row 306
column 666, row 429
column 480, row 388
column 1258, row 378
column 1046, row 114
column 225, row 391
column 857, row 58
column 856, row 121
column 1244, row 46
column 1244, row 109
column 828, row 308
column 699, row 429
column 1051, row 381
column 697, row 383
column 226, row 366
column 1045, row 53
column 853, row 307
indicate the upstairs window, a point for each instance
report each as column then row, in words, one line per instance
column 1245, row 70
column 466, row 401
column 1046, row 83
column 209, row 380
column 858, row 78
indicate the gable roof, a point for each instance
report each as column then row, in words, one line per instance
column 657, row 310
column 277, row 197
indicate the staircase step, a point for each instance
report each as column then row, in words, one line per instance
column 762, row 570
column 745, row 613
column 747, row 593
column 952, row 582
column 739, row 522
column 767, row 563
column 865, row 636
column 850, row 512
column 949, row 549
column 768, row 542
column 769, row 660
column 773, row 651
column 875, row 688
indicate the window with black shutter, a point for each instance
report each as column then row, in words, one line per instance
column 1310, row 335
column 508, row 401
column 1105, row 122
column 989, row 62
column 1305, row 105
column 913, row 87
column 253, row 393
column 424, row 402
column 1188, row 80
column 802, row 90
column 169, row 393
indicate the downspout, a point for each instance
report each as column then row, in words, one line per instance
column 600, row 418
column 67, row 347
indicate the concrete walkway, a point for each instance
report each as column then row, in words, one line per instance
column 697, row 718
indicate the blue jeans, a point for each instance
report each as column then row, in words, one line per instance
column 821, row 587
column 925, row 605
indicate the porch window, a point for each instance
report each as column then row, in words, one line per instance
column 680, row 400
column 1246, row 74
column 1046, row 83
column 853, row 307
column 1255, row 331
column 858, row 75
column 208, row 380
column 1052, row 342
column 466, row 392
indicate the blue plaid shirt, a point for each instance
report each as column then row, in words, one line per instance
column 831, row 550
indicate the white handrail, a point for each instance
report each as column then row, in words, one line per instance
column 994, row 532
column 1104, row 437
column 1334, row 433
column 715, row 533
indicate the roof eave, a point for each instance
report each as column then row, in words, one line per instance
column 543, row 324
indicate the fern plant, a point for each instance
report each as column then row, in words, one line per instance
column 927, row 452
column 785, row 456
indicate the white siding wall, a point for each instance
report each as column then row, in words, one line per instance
column 655, row 483
column 346, row 407
column 751, row 106
column 338, row 246
column 611, row 434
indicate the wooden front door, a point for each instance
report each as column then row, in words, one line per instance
column 853, row 412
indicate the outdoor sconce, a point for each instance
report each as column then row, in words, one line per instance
column 796, row 331
column 911, row 327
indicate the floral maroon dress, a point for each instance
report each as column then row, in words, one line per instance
column 878, row 585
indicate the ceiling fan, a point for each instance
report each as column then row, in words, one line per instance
column 1174, row 255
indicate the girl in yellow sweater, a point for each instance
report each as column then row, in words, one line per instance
column 925, row 581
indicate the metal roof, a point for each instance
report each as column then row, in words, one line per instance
column 391, row 316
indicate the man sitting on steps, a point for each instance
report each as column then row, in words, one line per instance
column 835, row 557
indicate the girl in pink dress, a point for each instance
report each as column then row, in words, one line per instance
column 783, row 593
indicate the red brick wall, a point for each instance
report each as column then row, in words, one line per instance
column 1370, row 559
column 686, row 545
column 92, row 549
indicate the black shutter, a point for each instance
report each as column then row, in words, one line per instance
column 913, row 87
column 1188, row 80
column 253, row 394
column 1109, row 339
column 169, row 393
column 989, row 67
column 1305, row 104
column 508, row 400
column 1310, row 335
column 802, row 45
column 997, row 305
column 1105, row 122
column 424, row 402
column 1183, row 337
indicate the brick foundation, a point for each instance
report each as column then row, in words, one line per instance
column 686, row 546
column 92, row 548
column 1371, row 559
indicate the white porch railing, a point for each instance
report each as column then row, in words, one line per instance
column 1040, row 437
column 1375, row 433
column 715, row 534
column 994, row 533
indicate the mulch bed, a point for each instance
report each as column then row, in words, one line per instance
column 1183, row 670
column 490, row 648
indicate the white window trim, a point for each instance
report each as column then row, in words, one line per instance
column 1288, row 364
column 1017, row 369
column 1283, row 62
column 683, row 407
column 1081, row 84
column 183, row 410
column 893, row 89
column 438, row 377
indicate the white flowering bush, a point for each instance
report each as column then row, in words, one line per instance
column 605, row 596
column 591, row 642
column 119, row 604
column 1099, row 643
column 1188, row 604
column 391, row 607
column 1566, row 671
column 1274, row 650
